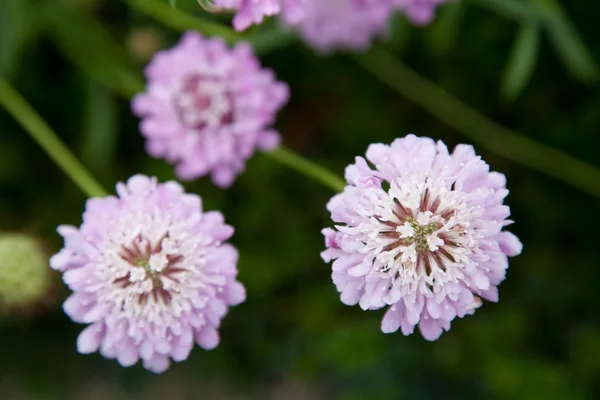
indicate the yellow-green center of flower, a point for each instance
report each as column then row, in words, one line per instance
column 421, row 232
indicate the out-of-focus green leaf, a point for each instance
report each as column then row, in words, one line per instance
column 399, row 33
column 477, row 127
column 443, row 33
column 101, row 128
column 14, row 24
column 75, row 33
column 173, row 3
column 513, row 9
column 522, row 60
column 567, row 43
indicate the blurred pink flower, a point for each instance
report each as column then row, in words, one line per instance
column 420, row 233
column 207, row 108
column 150, row 273
column 328, row 25
column 250, row 12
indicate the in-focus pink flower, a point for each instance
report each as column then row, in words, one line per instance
column 207, row 108
column 150, row 274
column 250, row 12
column 421, row 233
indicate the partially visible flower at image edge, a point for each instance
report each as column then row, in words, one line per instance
column 207, row 108
column 150, row 274
column 329, row 25
column 249, row 12
column 421, row 233
column 353, row 25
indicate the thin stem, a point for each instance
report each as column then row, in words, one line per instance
column 78, row 53
column 16, row 105
column 308, row 168
column 263, row 42
column 477, row 127
column 181, row 21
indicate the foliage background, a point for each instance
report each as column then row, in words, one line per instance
column 293, row 338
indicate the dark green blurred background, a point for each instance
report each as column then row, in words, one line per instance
column 293, row 338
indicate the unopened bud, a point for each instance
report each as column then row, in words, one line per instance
column 24, row 272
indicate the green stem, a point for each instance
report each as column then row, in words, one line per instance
column 16, row 105
column 308, row 168
column 477, row 127
column 78, row 52
column 181, row 21
column 263, row 42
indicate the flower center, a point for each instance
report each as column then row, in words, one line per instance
column 418, row 230
column 203, row 102
column 421, row 233
column 149, row 269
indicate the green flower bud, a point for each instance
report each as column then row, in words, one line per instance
column 24, row 273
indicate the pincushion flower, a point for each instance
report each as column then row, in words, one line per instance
column 207, row 108
column 329, row 25
column 150, row 274
column 250, row 12
column 421, row 233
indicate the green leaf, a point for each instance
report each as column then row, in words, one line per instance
column 173, row 3
column 567, row 43
column 522, row 60
column 512, row 9
column 76, row 32
column 444, row 31
column 101, row 133
column 14, row 26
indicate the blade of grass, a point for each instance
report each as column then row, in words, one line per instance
column 487, row 133
column 567, row 43
column 522, row 60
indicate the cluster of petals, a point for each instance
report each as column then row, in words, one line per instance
column 420, row 231
column 343, row 24
column 329, row 25
column 250, row 12
column 150, row 274
column 207, row 108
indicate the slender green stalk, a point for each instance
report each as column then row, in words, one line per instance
column 477, row 127
column 181, row 21
column 308, row 168
column 128, row 83
column 16, row 105
column 263, row 41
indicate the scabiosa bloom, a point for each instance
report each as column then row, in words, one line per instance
column 420, row 233
column 250, row 12
column 150, row 273
column 207, row 107
column 419, row 12
column 343, row 24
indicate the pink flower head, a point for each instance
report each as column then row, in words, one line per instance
column 150, row 274
column 419, row 12
column 250, row 12
column 343, row 24
column 207, row 107
column 420, row 233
